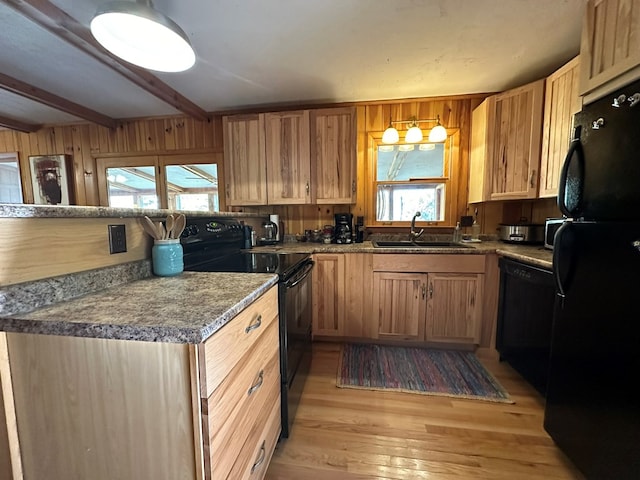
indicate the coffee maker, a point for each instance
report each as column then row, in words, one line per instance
column 343, row 228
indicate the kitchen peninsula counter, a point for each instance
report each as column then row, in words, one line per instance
column 187, row 308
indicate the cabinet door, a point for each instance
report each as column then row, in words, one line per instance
column 333, row 149
column 454, row 307
column 400, row 301
column 288, row 158
column 482, row 131
column 517, row 142
column 561, row 102
column 328, row 294
column 610, row 46
column 244, row 160
column 358, row 308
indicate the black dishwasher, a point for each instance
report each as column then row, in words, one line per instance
column 525, row 315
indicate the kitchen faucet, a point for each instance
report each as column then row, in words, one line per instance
column 413, row 234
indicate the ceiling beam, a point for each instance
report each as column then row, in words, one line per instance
column 23, row 89
column 18, row 125
column 58, row 22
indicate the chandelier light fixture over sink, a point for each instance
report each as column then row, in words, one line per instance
column 438, row 134
column 139, row 34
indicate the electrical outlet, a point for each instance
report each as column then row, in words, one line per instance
column 117, row 239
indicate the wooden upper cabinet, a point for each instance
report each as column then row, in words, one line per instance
column 515, row 149
column 288, row 158
column 482, row 131
column 610, row 46
column 244, row 160
column 333, row 150
column 561, row 102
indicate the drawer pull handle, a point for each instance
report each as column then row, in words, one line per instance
column 258, row 384
column 254, row 325
column 261, row 457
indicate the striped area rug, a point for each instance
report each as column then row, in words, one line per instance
column 448, row 373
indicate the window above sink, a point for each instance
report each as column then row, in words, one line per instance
column 410, row 178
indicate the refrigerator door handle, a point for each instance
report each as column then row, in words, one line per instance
column 570, row 205
column 557, row 246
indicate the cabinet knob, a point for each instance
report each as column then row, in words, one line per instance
column 424, row 291
column 306, row 187
column 353, row 186
column 431, row 290
column 532, row 181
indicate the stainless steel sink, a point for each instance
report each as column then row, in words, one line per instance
column 416, row 244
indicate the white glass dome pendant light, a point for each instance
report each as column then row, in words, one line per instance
column 137, row 33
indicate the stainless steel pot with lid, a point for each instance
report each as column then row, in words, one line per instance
column 530, row 233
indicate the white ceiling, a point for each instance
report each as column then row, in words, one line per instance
column 280, row 52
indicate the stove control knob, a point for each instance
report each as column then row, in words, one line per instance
column 190, row 230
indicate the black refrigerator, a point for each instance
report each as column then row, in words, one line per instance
column 592, row 406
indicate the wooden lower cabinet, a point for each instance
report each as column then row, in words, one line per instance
column 104, row 409
column 239, row 386
column 429, row 298
column 454, row 307
column 400, row 301
column 342, row 290
column 410, row 298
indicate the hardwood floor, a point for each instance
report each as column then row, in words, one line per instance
column 352, row 434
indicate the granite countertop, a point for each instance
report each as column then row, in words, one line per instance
column 532, row 254
column 74, row 211
column 187, row 308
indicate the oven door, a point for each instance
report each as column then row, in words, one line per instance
column 295, row 340
column 296, row 324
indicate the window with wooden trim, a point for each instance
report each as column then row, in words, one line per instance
column 410, row 178
column 177, row 182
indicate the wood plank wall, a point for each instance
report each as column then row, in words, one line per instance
column 85, row 142
column 180, row 134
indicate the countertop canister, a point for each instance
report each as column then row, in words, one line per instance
column 167, row 258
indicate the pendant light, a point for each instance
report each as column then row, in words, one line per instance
column 137, row 33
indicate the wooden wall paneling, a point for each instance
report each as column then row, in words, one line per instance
column 7, row 141
column 377, row 117
column 10, row 457
column 87, row 166
column 142, row 388
column 57, row 246
column 169, row 133
column 362, row 186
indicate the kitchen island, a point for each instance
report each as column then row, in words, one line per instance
column 147, row 379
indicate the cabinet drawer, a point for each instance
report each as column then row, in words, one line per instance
column 222, row 351
column 234, row 390
column 226, row 440
column 253, row 461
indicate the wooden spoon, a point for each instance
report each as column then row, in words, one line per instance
column 162, row 233
column 149, row 227
column 178, row 227
column 169, row 223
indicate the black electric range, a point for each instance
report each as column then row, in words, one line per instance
column 214, row 244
